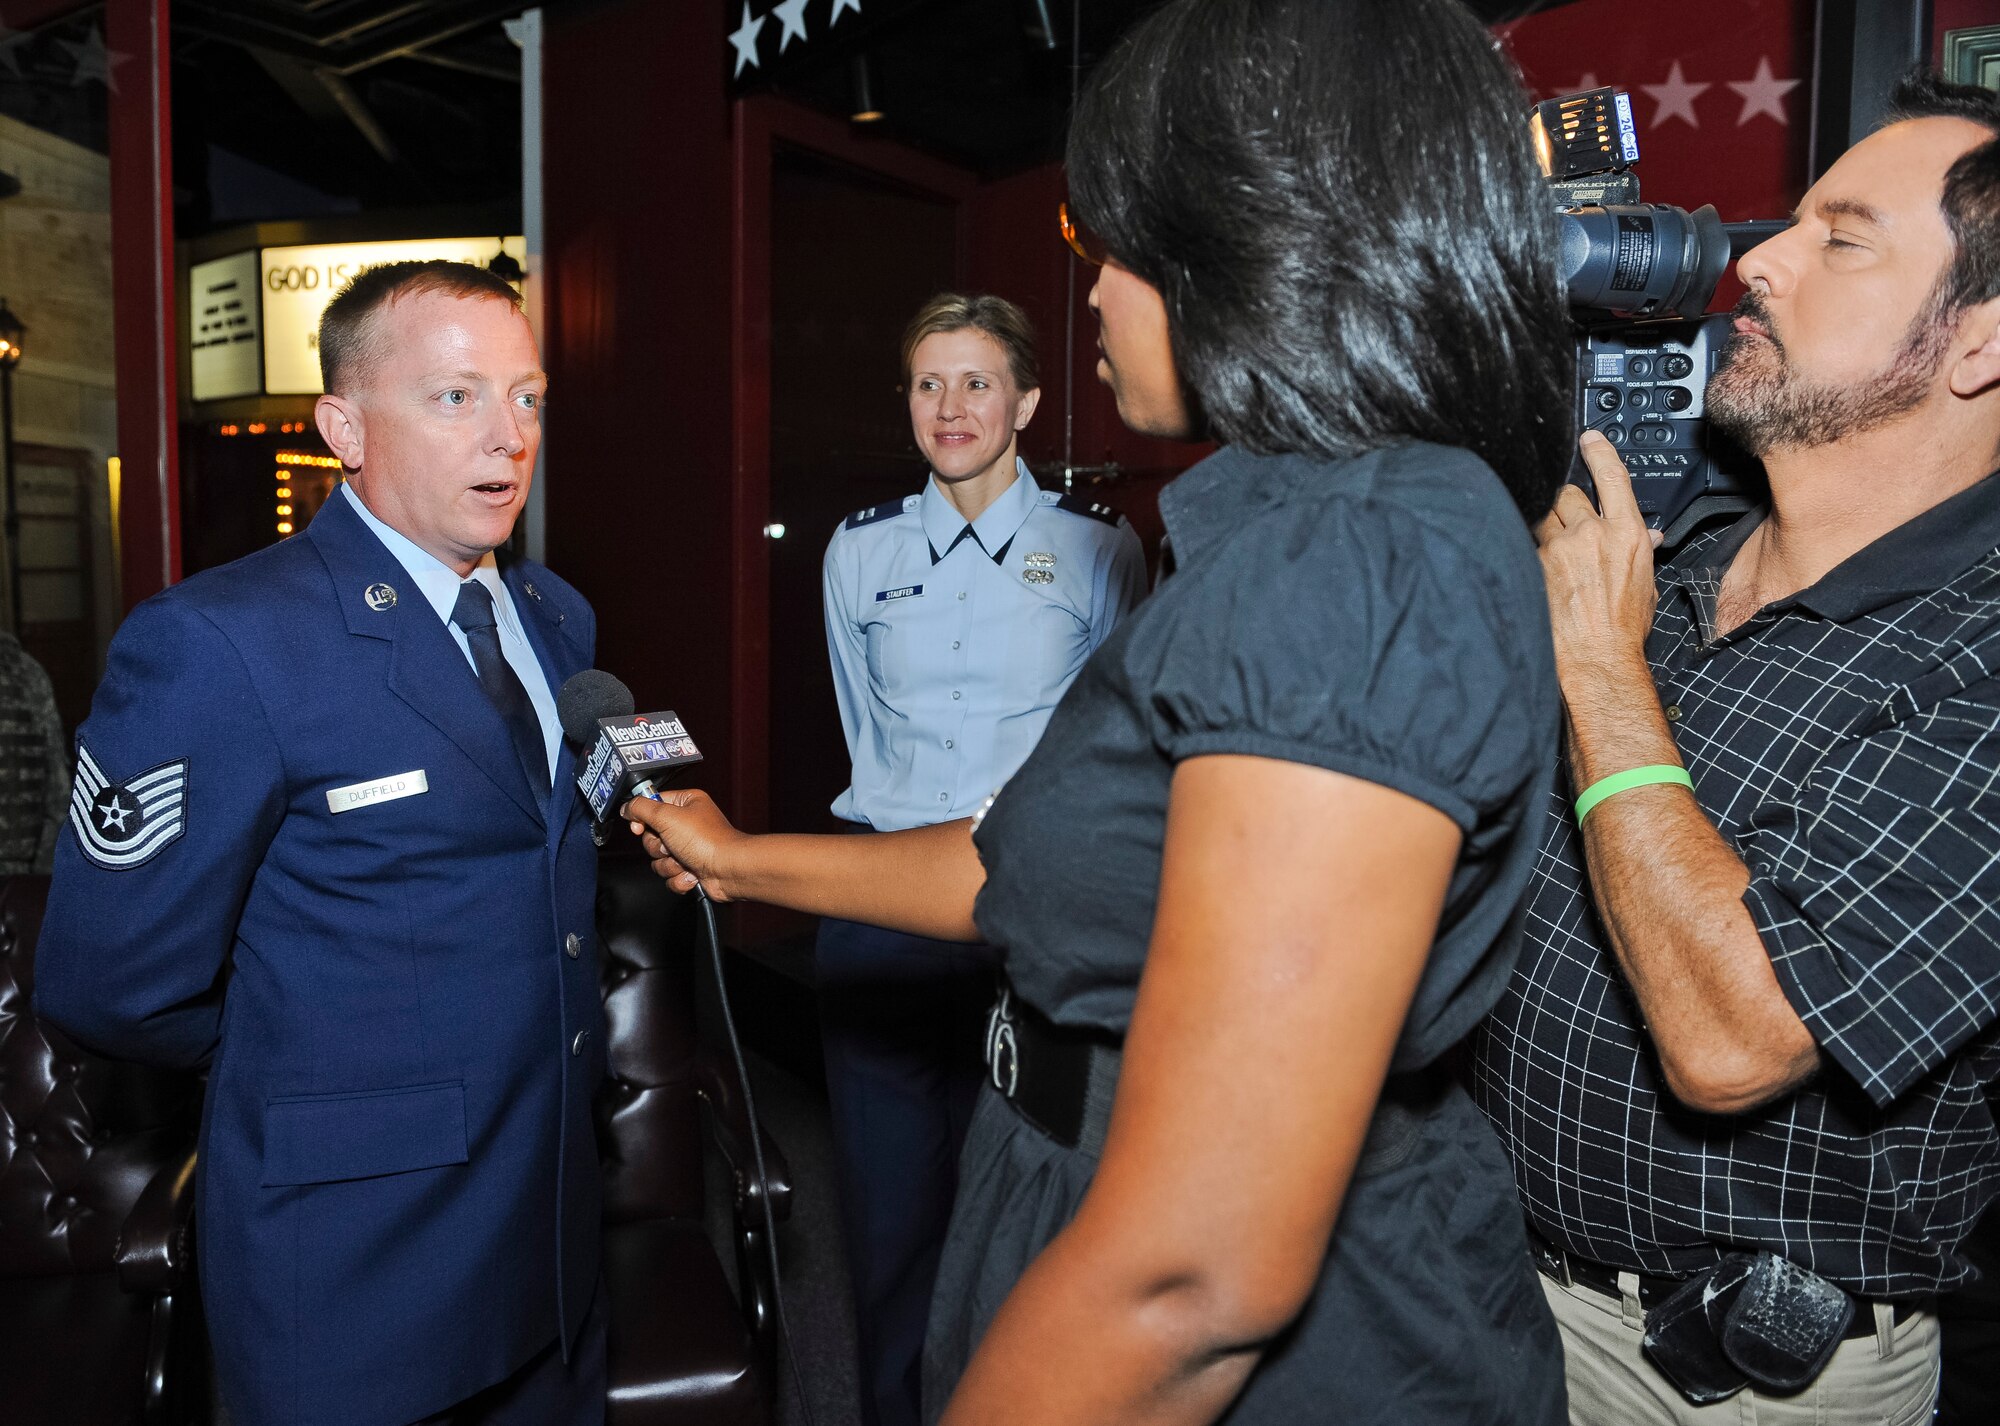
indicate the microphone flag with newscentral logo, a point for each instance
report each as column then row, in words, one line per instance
column 633, row 753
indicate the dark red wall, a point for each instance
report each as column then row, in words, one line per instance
column 1014, row 248
column 660, row 341
column 658, row 473
column 1719, row 148
column 1948, row 15
column 639, row 348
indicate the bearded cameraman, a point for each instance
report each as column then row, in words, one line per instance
column 1743, row 1068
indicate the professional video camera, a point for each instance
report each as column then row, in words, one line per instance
column 1640, row 277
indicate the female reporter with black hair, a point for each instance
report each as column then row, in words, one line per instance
column 1260, row 874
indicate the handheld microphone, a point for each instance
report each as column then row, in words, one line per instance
column 629, row 752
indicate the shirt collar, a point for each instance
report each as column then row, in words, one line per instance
column 437, row 580
column 1920, row 556
column 1209, row 499
column 997, row 524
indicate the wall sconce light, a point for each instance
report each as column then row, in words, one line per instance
column 864, row 108
column 12, row 335
column 1041, row 25
column 503, row 266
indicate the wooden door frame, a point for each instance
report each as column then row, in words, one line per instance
column 764, row 124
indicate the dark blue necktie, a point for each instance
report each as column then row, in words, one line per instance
column 473, row 613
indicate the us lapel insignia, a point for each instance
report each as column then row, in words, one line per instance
column 381, row 598
column 121, row 825
column 528, row 588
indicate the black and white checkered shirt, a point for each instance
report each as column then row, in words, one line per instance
column 1846, row 741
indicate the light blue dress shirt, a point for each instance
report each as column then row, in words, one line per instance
column 439, row 584
column 951, row 644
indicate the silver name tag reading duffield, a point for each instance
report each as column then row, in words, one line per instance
column 386, row 789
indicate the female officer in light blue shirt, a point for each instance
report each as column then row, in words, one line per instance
column 955, row 619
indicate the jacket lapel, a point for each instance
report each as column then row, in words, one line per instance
column 426, row 668
column 561, row 656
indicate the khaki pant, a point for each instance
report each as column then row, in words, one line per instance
column 1889, row 1379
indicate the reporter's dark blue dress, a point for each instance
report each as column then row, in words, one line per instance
column 1383, row 617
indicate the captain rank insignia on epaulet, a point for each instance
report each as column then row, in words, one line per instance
column 1089, row 509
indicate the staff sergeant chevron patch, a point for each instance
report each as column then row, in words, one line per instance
column 121, row 825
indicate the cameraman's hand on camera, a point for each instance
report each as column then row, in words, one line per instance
column 687, row 838
column 1599, row 571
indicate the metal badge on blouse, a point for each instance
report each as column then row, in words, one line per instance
column 1041, row 567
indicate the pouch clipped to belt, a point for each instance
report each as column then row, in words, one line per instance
column 1785, row 1325
column 1752, row 1318
column 1684, row 1333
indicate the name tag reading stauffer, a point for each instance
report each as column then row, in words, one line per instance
column 386, row 789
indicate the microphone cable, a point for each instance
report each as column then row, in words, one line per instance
column 714, row 939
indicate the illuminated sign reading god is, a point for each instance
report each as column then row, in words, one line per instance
column 296, row 284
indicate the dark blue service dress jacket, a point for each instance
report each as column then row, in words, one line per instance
column 399, row 1199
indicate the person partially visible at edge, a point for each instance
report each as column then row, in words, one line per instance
column 955, row 618
column 1751, row 1052
column 34, row 766
column 325, row 840
column 1260, row 875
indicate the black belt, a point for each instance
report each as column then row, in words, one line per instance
column 1058, row 1078
column 1567, row 1268
column 1062, row 1079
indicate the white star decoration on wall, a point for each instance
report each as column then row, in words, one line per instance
column 1762, row 94
column 1675, row 98
column 91, row 60
column 792, row 15
column 743, row 39
column 791, row 18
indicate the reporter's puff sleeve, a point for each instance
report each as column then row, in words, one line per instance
column 1368, row 641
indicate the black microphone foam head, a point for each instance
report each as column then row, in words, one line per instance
column 588, row 696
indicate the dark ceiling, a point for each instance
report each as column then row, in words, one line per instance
column 981, row 82
column 301, row 108
column 373, row 103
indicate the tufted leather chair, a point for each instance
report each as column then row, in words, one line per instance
column 96, row 1209
column 683, row 1351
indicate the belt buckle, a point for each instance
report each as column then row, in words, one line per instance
column 1553, row 1261
column 1000, row 1042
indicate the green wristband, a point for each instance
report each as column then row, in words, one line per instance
column 1625, row 781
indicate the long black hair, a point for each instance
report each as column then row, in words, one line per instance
column 1340, row 204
